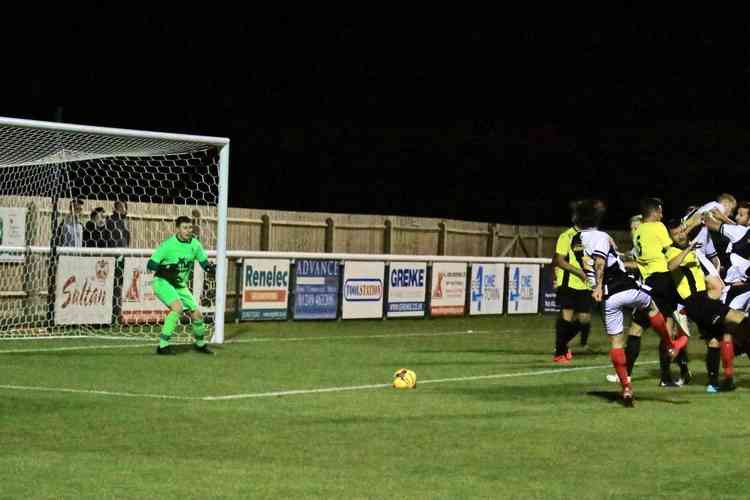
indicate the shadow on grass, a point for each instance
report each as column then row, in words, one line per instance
column 614, row 396
column 654, row 373
column 499, row 392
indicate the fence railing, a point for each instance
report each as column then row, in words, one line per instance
column 273, row 230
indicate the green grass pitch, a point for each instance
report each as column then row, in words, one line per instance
column 304, row 410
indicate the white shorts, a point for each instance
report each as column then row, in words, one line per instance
column 741, row 302
column 614, row 304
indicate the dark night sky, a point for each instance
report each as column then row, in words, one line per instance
column 413, row 119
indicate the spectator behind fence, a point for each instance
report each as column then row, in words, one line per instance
column 95, row 232
column 70, row 232
column 118, row 225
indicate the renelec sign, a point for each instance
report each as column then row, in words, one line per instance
column 265, row 288
column 258, row 279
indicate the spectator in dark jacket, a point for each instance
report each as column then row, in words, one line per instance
column 118, row 225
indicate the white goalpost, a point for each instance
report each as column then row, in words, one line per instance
column 81, row 210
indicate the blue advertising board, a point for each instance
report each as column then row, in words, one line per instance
column 549, row 293
column 316, row 289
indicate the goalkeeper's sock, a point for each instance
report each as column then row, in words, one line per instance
column 199, row 332
column 170, row 323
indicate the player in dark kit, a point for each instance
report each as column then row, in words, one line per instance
column 717, row 321
column 573, row 296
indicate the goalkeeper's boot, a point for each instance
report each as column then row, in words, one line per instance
column 169, row 350
column 203, row 349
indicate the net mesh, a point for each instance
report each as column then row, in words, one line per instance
column 80, row 213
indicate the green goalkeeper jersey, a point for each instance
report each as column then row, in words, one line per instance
column 175, row 260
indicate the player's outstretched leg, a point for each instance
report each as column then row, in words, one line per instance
column 170, row 323
column 199, row 332
column 617, row 355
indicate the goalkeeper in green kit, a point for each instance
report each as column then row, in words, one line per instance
column 172, row 263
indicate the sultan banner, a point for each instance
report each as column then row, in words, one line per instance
column 448, row 289
column 139, row 304
column 407, row 287
column 523, row 289
column 363, row 290
column 265, row 288
column 84, row 288
column 486, row 293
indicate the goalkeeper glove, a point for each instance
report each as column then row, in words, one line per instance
column 210, row 268
column 170, row 272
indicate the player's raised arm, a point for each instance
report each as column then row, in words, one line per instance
column 675, row 262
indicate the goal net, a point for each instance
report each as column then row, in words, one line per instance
column 81, row 211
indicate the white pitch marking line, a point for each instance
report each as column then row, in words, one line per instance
column 76, row 348
column 434, row 381
column 258, row 339
column 100, row 393
column 306, row 391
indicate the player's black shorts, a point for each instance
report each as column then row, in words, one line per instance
column 707, row 313
column 663, row 292
column 580, row 301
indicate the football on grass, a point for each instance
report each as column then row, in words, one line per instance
column 404, row 379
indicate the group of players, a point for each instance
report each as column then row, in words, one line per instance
column 696, row 266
